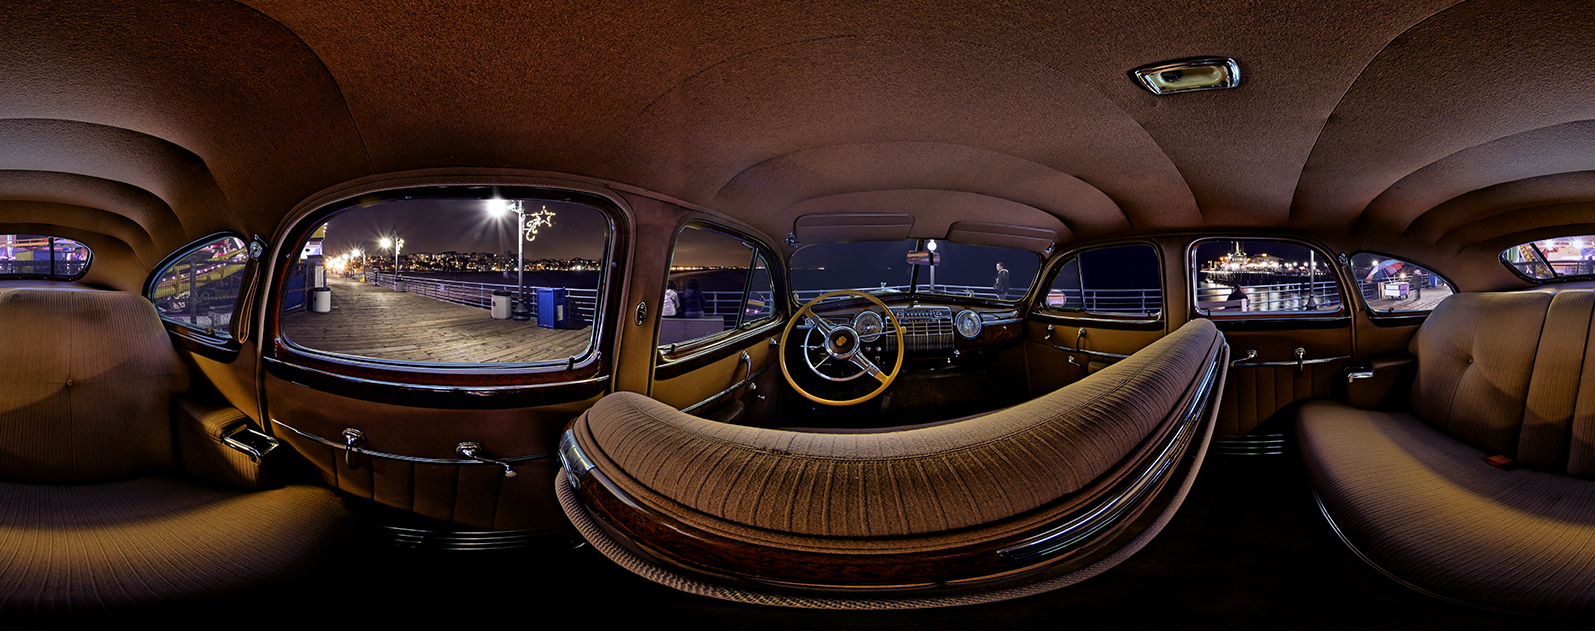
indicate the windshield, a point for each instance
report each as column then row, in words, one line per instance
column 893, row 267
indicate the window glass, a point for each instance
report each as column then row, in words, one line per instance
column 934, row 266
column 1122, row 280
column 1549, row 259
column 1263, row 276
column 718, row 282
column 1391, row 284
column 42, row 255
column 451, row 280
column 200, row 288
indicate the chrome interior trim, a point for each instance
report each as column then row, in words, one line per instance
column 571, row 458
column 1250, row 445
column 1083, row 351
column 381, row 454
column 1292, row 363
column 739, row 385
column 1108, row 510
column 1156, row 318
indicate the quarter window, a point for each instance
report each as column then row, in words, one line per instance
column 200, row 287
column 1254, row 276
column 31, row 255
column 1391, row 285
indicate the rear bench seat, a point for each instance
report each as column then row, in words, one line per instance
column 1411, row 492
column 115, row 492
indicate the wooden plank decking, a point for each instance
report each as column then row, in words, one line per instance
column 378, row 322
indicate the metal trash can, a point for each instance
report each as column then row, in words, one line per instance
column 501, row 305
column 321, row 300
column 552, row 312
column 398, row 285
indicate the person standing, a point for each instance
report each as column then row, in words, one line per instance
column 672, row 304
column 1000, row 285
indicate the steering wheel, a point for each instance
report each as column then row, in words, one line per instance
column 843, row 344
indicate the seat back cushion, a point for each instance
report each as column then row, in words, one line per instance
column 933, row 479
column 1475, row 355
column 86, row 386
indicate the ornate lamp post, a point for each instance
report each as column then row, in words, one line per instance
column 527, row 224
column 396, row 244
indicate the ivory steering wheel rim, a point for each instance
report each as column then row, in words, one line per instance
column 856, row 357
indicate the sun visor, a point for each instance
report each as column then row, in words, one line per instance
column 1002, row 235
column 846, row 227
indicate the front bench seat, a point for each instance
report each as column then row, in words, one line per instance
column 97, row 511
column 1020, row 501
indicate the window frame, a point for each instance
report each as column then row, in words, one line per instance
column 196, row 339
column 52, row 275
column 671, row 354
column 1404, row 314
column 1055, row 267
column 440, row 385
column 1534, row 245
column 1336, row 272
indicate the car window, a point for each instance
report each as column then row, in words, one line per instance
column 1553, row 259
column 1264, row 277
column 32, row 255
column 1391, row 285
column 1115, row 281
column 923, row 266
column 718, row 282
column 199, row 288
column 450, row 280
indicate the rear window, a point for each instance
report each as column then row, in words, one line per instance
column 1263, row 277
column 1553, row 259
column 42, row 256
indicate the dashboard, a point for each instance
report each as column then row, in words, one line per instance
column 931, row 330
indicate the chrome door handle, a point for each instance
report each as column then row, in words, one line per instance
column 474, row 451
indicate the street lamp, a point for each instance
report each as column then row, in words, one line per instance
column 362, row 254
column 396, row 245
column 526, row 225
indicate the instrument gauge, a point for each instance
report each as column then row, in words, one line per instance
column 968, row 324
column 869, row 325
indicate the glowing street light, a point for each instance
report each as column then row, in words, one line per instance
column 526, row 225
column 397, row 245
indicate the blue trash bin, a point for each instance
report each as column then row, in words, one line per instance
column 552, row 311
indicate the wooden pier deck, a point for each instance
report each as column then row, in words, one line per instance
column 372, row 321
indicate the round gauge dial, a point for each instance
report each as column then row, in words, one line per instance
column 869, row 325
column 968, row 324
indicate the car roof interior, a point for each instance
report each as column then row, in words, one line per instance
column 1440, row 131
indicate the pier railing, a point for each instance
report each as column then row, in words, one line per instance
column 1275, row 297
column 582, row 302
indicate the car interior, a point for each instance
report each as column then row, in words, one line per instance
column 784, row 314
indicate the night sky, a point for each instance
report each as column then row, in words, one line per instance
column 463, row 225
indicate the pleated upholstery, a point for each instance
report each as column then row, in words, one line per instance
column 86, row 385
column 1475, row 354
column 926, row 480
column 1427, row 509
column 158, row 540
column 1498, row 374
column 92, row 517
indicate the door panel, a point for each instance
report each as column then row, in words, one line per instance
column 408, row 457
column 1061, row 351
